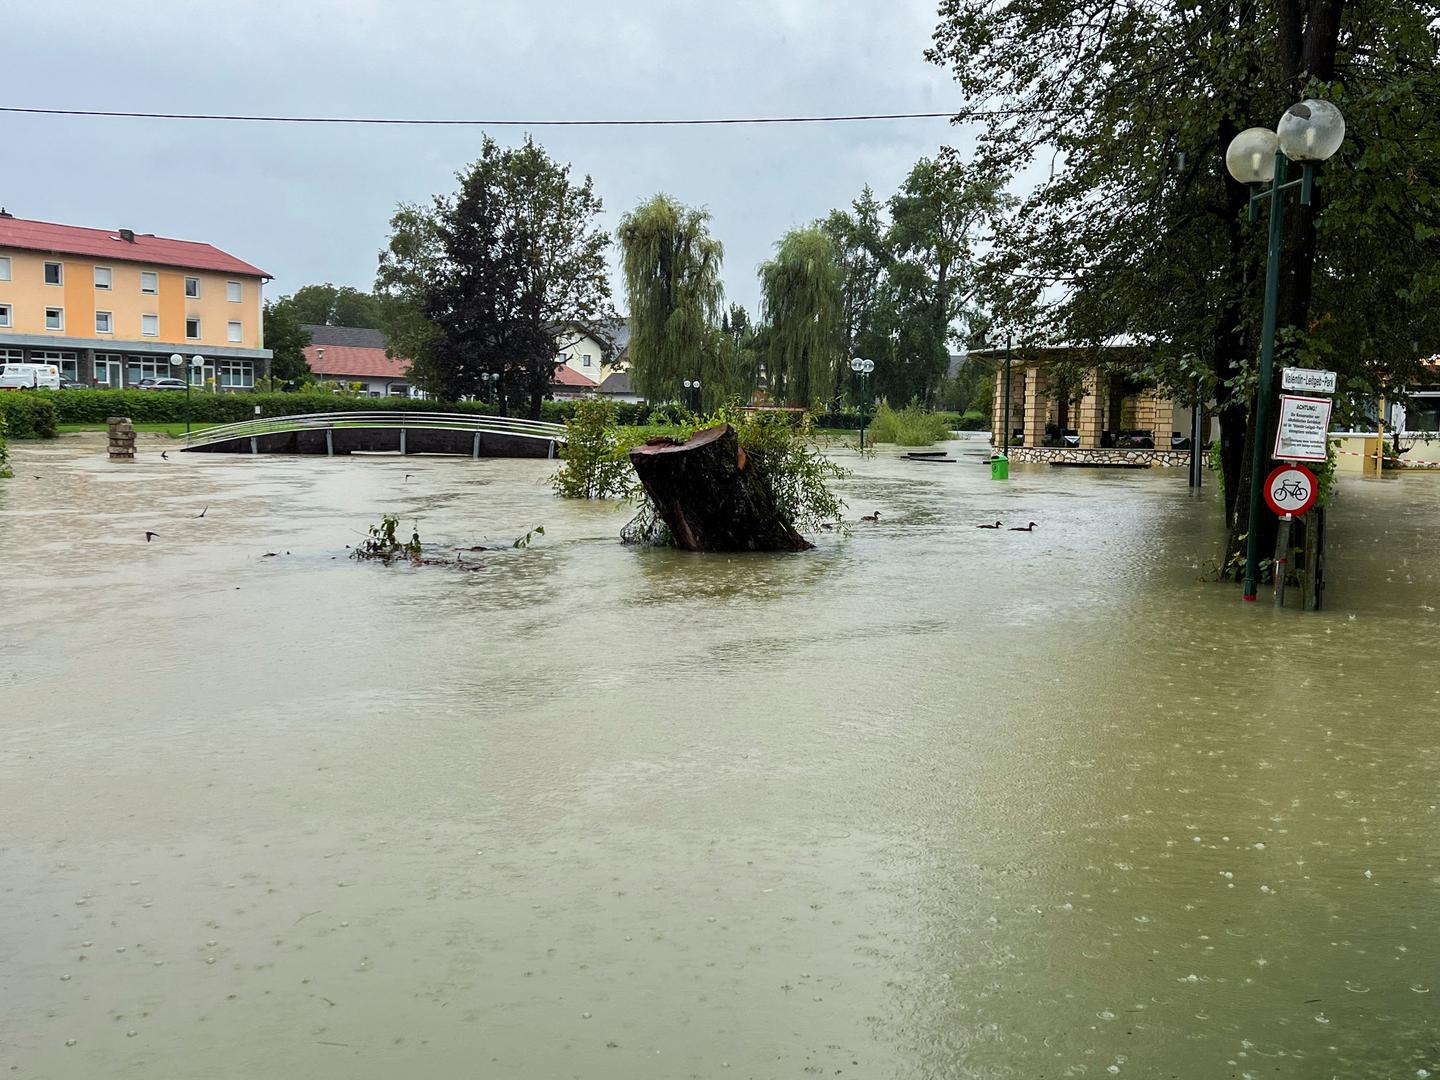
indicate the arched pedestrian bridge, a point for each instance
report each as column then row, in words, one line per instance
column 461, row 434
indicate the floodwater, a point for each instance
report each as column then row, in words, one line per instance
column 926, row 802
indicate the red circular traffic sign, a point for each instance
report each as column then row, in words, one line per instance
column 1290, row 489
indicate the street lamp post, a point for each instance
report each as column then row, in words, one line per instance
column 177, row 364
column 1309, row 132
column 692, row 394
column 863, row 368
column 487, row 382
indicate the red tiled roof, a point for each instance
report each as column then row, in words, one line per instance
column 350, row 360
column 107, row 244
column 565, row 375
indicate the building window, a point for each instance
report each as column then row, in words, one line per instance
column 150, row 325
column 137, row 369
column 232, row 331
column 236, row 373
column 65, row 361
column 102, row 277
column 4, row 314
column 192, row 329
column 192, row 287
column 149, row 282
column 54, row 273
column 102, row 323
column 234, row 291
column 4, row 267
column 585, row 359
column 11, row 356
column 54, row 318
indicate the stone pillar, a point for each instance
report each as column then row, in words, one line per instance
column 1165, row 422
column 1037, row 404
column 1088, row 414
column 997, row 411
column 122, row 438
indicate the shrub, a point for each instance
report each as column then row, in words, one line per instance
column 911, row 426
column 30, row 414
column 595, row 466
column 5, row 472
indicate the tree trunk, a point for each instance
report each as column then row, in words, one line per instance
column 709, row 498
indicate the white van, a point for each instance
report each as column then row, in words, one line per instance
column 29, row 377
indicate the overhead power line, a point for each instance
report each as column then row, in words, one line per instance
column 412, row 122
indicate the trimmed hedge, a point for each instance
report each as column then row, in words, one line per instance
column 30, row 414
column 5, row 472
column 168, row 406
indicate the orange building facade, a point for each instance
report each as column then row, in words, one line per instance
column 111, row 307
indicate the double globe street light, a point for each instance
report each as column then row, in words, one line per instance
column 197, row 365
column 863, row 368
column 1310, row 132
column 692, row 394
column 489, row 381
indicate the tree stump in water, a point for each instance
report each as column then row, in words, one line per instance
column 709, row 499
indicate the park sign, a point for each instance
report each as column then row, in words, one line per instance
column 1290, row 490
column 1307, row 380
column 1303, row 434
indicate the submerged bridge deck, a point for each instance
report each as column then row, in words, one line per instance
column 380, row 432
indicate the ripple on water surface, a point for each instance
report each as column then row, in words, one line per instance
column 926, row 801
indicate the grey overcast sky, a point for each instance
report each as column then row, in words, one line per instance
column 311, row 204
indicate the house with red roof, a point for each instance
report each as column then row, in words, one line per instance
column 113, row 307
column 355, row 358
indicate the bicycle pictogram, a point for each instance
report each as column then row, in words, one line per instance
column 1294, row 488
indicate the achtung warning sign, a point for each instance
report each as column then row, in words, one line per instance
column 1304, row 428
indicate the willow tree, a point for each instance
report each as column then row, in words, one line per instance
column 802, row 300
column 671, row 266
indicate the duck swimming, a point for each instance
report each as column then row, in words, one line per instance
column 1023, row 528
column 873, row 519
column 997, row 525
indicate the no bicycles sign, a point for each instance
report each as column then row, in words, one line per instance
column 1290, row 490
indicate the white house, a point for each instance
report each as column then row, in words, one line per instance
column 584, row 349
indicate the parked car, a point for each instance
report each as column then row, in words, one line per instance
column 160, row 384
column 29, row 377
column 67, row 383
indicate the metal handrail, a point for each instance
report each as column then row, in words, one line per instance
column 379, row 418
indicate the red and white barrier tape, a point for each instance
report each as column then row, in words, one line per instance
column 1388, row 457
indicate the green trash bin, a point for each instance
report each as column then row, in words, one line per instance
column 1000, row 467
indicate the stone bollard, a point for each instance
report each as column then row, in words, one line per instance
column 122, row 438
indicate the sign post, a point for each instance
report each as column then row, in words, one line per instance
column 1290, row 490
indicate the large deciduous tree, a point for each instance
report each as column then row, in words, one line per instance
column 334, row 305
column 671, row 266
column 803, row 305
column 1122, row 110
column 287, row 339
column 910, row 270
column 482, row 281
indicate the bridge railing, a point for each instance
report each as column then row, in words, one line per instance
column 379, row 418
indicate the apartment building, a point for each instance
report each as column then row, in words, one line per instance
column 111, row 306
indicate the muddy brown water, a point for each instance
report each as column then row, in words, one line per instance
column 927, row 802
